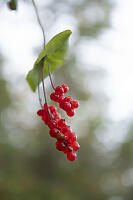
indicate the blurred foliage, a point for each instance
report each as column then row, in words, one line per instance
column 30, row 167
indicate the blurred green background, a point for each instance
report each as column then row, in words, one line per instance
column 30, row 166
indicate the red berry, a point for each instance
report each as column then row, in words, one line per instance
column 60, row 137
column 66, row 130
column 66, row 149
column 74, row 104
column 46, row 118
column 75, row 146
column 57, row 116
column 67, row 106
column 72, row 137
column 60, row 146
column 61, row 123
column 62, row 105
column 40, row 113
column 52, row 124
column 60, row 98
column 71, row 155
column 59, row 90
column 70, row 113
column 54, row 97
column 65, row 88
column 53, row 132
column 67, row 99
column 52, row 108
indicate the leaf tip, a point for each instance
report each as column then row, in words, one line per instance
column 30, row 83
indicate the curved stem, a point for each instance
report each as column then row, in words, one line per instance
column 39, row 21
column 50, row 75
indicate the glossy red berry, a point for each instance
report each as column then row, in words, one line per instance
column 72, row 137
column 74, row 104
column 66, row 130
column 60, row 98
column 52, row 124
column 40, row 113
column 61, row 123
column 67, row 99
column 54, row 97
column 70, row 113
column 53, row 132
column 61, row 137
column 62, row 105
column 60, row 146
column 66, row 140
column 71, row 155
column 65, row 88
column 52, row 108
column 67, row 106
column 75, row 146
column 59, row 90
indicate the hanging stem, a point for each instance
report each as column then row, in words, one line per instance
column 42, row 28
column 39, row 96
column 39, row 21
column 50, row 75
column 44, row 91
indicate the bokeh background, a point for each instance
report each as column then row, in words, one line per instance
column 98, row 70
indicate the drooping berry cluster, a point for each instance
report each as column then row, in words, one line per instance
column 66, row 139
column 65, row 103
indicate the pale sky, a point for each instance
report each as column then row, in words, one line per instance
column 18, row 36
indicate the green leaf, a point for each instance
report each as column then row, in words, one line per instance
column 54, row 44
column 33, row 77
column 53, row 55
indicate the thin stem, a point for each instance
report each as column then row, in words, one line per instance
column 44, row 92
column 39, row 21
column 41, row 26
column 39, row 96
column 50, row 75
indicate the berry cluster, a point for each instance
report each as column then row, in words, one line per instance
column 65, row 103
column 66, row 139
